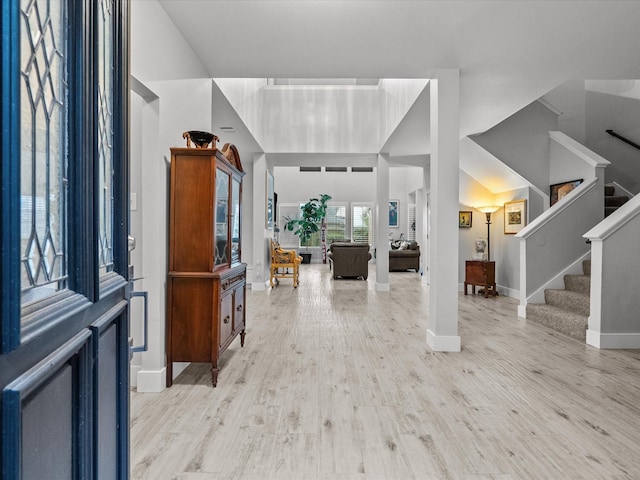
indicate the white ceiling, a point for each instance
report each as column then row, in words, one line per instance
column 509, row 53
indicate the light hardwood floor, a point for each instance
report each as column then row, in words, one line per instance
column 336, row 382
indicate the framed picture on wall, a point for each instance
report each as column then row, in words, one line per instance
column 515, row 216
column 393, row 213
column 559, row 190
column 464, row 218
column 270, row 201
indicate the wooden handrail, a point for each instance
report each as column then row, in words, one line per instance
column 626, row 140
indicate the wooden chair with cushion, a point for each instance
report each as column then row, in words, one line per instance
column 284, row 264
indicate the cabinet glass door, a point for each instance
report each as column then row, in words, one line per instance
column 235, row 220
column 222, row 218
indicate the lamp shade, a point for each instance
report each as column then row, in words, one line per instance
column 489, row 208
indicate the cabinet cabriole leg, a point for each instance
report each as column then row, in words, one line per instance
column 214, row 375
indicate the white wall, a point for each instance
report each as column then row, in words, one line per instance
column 522, row 142
column 158, row 49
column 327, row 119
column 135, row 222
column 340, row 119
column 245, row 95
column 570, row 98
column 397, row 97
column 616, row 108
column 565, row 165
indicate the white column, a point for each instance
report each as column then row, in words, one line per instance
column 442, row 331
column 260, row 235
column 425, row 200
column 151, row 377
column 382, row 224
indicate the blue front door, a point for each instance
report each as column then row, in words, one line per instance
column 63, row 239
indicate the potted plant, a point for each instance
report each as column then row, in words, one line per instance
column 311, row 215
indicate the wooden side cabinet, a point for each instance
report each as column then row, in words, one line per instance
column 483, row 274
column 206, row 281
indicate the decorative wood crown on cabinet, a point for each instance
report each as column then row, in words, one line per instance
column 206, row 282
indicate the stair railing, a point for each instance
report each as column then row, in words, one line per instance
column 553, row 243
column 615, row 262
column 625, row 140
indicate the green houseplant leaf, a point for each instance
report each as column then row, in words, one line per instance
column 310, row 219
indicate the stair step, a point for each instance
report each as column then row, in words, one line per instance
column 578, row 283
column 609, row 190
column 563, row 321
column 615, row 201
column 609, row 210
column 568, row 300
column 586, row 267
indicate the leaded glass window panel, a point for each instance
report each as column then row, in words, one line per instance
column 222, row 218
column 235, row 220
column 105, row 134
column 43, row 145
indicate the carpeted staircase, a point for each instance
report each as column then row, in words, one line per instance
column 567, row 310
column 612, row 201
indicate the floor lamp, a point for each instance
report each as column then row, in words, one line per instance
column 488, row 210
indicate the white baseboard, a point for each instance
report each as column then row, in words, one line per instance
column 383, row 287
column 151, row 381
column 443, row 343
column 613, row 340
column 133, row 374
column 508, row 292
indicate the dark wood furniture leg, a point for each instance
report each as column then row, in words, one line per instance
column 214, row 375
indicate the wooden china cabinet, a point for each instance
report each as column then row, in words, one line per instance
column 206, row 279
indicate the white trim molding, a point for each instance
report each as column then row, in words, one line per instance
column 152, row 381
column 443, row 343
column 613, row 340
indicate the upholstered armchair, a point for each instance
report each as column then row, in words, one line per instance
column 284, row 264
column 349, row 260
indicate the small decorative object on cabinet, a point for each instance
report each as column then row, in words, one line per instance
column 482, row 274
column 206, row 279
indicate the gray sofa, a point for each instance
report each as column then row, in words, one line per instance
column 349, row 259
column 404, row 259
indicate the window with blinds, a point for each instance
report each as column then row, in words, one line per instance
column 336, row 222
column 411, row 236
column 362, row 223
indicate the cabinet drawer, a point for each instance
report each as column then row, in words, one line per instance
column 226, row 320
column 238, row 308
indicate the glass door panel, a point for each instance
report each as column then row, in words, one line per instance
column 43, row 146
column 105, row 135
column 235, row 220
column 222, row 218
